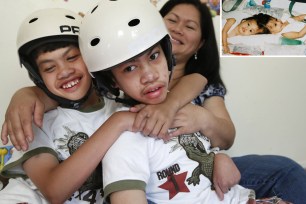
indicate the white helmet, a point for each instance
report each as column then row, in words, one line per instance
column 115, row 31
column 47, row 26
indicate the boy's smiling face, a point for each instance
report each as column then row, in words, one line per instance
column 64, row 72
column 144, row 78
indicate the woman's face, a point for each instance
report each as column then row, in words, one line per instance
column 183, row 23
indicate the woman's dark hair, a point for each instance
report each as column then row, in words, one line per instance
column 208, row 61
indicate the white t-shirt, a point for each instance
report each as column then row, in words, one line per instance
column 171, row 172
column 63, row 131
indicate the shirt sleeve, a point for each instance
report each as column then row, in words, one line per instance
column 209, row 91
column 41, row 144
column 126, row 164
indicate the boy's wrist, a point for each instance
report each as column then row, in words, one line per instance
column 123, row 120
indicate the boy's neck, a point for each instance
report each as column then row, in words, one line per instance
column 94, row 102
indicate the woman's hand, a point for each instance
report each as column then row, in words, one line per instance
column 212, row 120
column 187, row 120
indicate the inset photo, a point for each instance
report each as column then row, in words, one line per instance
column 263, row 28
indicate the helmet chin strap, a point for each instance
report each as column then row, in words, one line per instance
column 63, row 102
column 127, row 101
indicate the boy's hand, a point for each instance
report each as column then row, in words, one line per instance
column 226, row 49
column 225, row 175
column 124, row 121
column 153, row 120
column 18, row 119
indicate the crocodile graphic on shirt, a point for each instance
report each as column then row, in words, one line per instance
column 70, row 142
column 195, row 150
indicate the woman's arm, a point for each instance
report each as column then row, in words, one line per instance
column 217, row 124
column 27, row 104
column 187, row 89
column 212, row 120
column 229, row 23
column 155, row 120
column 58, row 181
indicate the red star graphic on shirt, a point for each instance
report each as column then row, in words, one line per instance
column 175, row 184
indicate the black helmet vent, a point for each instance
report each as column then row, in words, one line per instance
column 134, row 22
column 33, row 20
column 71, row 17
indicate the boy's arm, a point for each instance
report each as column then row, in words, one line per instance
column 58, row 181
column 295, row 35
column 129, row 197
column 27, row 104
column 299, row 17
column 225, row 175
column 229, row 23
column 155, row 120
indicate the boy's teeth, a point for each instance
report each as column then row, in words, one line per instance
column 70, row 84
column 153, row 90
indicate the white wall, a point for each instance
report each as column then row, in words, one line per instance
column 266, row 96
column 266, row 99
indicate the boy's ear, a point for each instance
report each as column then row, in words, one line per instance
column 115, row 84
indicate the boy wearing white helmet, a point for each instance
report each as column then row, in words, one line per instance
column 63, row 162
column 133, row 55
